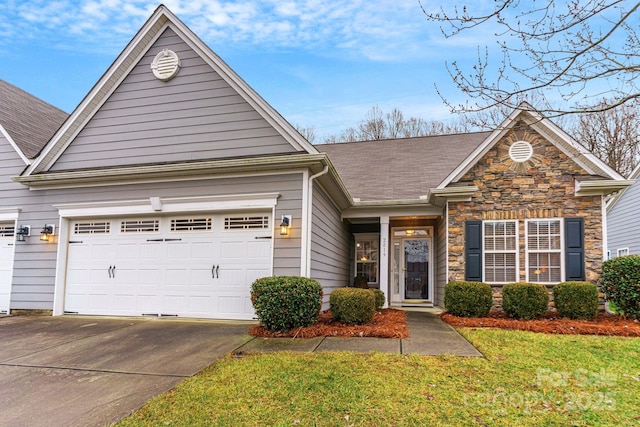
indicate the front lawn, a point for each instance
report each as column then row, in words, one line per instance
column 526, row 379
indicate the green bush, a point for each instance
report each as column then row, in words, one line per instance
column 379, row 297
column 353, row 306
column 576, row 300
column 525, row 300
column 360, row 282
column 468, row 299
column 286, row 302
column 620, row 282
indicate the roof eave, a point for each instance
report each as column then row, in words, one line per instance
column 601, row 187
column 164, row 172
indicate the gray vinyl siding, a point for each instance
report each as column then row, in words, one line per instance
column 34, row 271
column 197, row 115
column 441, row 259
column 623, row 229
column 31, row 286
column 330, row 240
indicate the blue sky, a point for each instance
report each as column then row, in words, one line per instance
column 320, row 63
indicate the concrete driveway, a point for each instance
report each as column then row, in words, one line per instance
column 85, row 371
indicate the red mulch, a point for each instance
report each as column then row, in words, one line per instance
column 603, row 324
column 387, row 323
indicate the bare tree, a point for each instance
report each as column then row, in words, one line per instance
column 580, row 49
column 612, row 135
column 379, row 125
column 308, row 132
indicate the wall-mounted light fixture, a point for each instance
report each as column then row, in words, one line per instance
column 285, row 225
column 22, row 232
column 47, row 232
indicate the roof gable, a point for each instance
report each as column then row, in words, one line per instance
column 26, row 121
column 552, row 133
column 97, row 114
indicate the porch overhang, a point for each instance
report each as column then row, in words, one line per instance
column 391, row 208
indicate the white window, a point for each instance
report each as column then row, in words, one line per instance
column 500, row 251
column 366, row 256
column 544, row 250
column 623, row 252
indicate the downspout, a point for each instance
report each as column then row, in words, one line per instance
column 310, row 217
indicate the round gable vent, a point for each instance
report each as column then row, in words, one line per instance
column 165, row 65
column 520, row 151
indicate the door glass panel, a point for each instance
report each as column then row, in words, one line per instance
column 416, row 265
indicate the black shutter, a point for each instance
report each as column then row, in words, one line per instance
column 473, row 251
column 574, row 248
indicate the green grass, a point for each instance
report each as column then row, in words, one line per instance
column 526, row 379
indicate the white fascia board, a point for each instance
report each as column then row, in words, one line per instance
column 169, row 205
column 4, row 133
column 195, row 170
column 601, row 187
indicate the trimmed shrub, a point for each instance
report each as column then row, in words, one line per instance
column 286, row 302
column 620, row 282
column 525, row 300
column 360, row 282
column 576, row 300
column 468, row 299
column 379, row 297
column 353, row 306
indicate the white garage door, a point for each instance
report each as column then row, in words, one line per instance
column 197, row 266
column 7, row 239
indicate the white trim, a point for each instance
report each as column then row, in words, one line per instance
column 4, row 133
column 384, row 259
column 635, row 175
column 515, row 251
column 169, row 205
column 368, row 237
column 9, row 214
column 125, row 175
column 561, row 251
column 604, row 186
column 618, row 252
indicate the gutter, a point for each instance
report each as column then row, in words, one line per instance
column 310, row 218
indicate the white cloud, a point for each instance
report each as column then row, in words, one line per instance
column 376, row 29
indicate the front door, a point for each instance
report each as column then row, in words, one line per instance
column 416, row 269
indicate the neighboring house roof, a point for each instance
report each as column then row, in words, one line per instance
column 161, row 19
column 399, row 169
column 29, row 121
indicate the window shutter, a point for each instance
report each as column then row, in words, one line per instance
column 574, row 248
column 473, row 251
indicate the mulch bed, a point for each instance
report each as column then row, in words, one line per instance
column 603, row 324
column 387, row 323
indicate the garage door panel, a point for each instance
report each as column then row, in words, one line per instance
column 197, row 270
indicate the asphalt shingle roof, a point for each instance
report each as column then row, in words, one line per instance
column 29, row 121
column 399, row 169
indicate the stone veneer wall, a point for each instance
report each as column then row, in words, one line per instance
column 542, row 187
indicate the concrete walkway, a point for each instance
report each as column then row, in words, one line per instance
column 428, row 335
